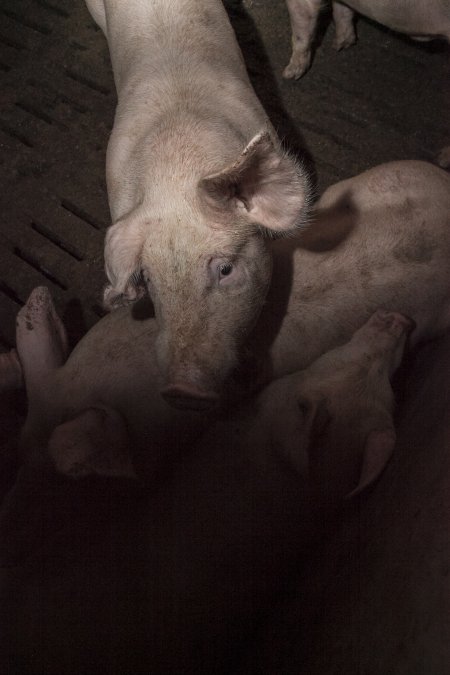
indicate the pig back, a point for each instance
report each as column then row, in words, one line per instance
column 379, row 240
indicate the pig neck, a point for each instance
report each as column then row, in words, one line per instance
column 163, row 53
column 186, row 108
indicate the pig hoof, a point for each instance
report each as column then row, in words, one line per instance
column 10, row 371
column 189, row 398
column 297, row 67
column 41, row 337
column 343, row 41
column 93, row 443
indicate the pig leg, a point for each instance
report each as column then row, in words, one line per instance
column 41, row 341
column 345, row 30
column 10, row 371
column 303, row 15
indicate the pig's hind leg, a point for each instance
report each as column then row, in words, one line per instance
column 343, row 18
column 41, row 340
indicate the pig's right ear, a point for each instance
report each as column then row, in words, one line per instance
column 95, row 442
column 378, row 450
column 124, row 242
column 265, row 185
column 313, row 420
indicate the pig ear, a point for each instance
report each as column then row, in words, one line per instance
column 377, row 453
column 314, row 417
column 265, row 184
column 123, row 249
column 93, row 443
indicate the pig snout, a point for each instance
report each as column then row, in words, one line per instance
column 390, row 323
column 383, row 331
column 383, row 337
column 194, row 383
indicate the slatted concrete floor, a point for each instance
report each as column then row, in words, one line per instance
column 386, row 98
column 57, row 107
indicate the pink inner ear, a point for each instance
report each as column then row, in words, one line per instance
column 124, row 242
column 272, row 187
column 378, row 451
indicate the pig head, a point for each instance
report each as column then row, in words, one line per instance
column 340, row 409
column 198, row 183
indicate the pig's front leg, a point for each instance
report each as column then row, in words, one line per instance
column 303, row 15
column 343, row 18
column 41, row 342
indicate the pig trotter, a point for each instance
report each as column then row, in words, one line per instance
column 345, row 30
column 41, row 339
column 297, row 66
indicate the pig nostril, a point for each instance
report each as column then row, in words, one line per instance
column 188, row 397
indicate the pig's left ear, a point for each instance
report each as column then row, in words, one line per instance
column 265, row 185
column 378, row 451
column 123, row 249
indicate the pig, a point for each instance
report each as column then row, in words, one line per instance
column 379, row 240
column 420, row 19
column 375, row 597
column 198, row 183
column 195, row 562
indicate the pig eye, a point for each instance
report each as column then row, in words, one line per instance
column 225, row 270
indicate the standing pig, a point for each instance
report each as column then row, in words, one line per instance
column 196, row 180
column 192, row 566
column 381, row 239
column 421, row 19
